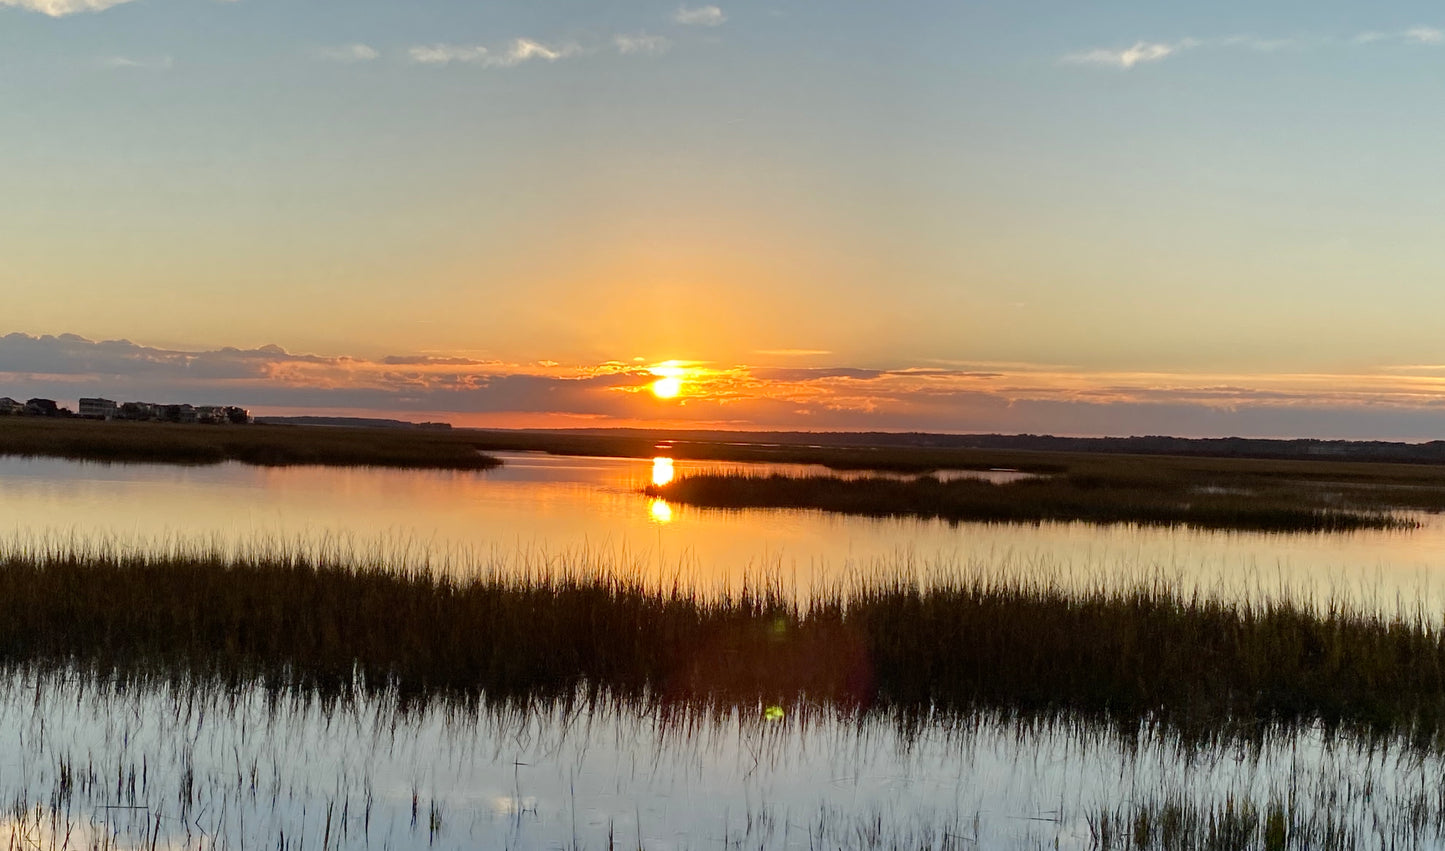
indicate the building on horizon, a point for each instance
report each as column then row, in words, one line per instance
column 97, row 409
column 38, row 407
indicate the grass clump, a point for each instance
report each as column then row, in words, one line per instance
column 263, row 445
column 1150, row 656
column 1087, row 497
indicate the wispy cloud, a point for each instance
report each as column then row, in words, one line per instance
column 703, row 16
column 61, row 8
column 348, row 53
column 1144, row 52
column 1260, row 45
column 157, row 63
column 442, row 54
column 517, row 52
column 641, row 43
column 1128, row 57
column 1423, row 35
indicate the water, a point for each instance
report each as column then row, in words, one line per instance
column 220, row 770
column 539, row 507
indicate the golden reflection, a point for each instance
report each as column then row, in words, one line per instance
column 661, row 511
column 661, row 471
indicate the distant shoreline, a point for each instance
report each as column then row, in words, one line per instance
column 261, row 445
column 1333, row 491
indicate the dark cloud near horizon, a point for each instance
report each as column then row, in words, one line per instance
column 67, row 366
column 70, row 354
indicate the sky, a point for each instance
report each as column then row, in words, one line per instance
column 1054, row 217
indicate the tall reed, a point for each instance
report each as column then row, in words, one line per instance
column 1151, row 656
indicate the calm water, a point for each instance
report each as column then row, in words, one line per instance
column 588, row 510
column 249, row 773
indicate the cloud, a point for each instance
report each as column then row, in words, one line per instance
column 1254, row 42
column 810, row 374
column 159, row 63
column 1140, row 51
column 61, row 8
column 517, row 52
column 1404, row 401
column 642, row 43
column 441, row 54
column 1423, row 35
column 703, row 16
column 1144, row 52
column 429, row 360
column 792, row 352
column 1413, row 35
column 348, row 53
column 523, row 49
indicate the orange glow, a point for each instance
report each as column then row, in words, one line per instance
column 661, row 471
column 661, row 511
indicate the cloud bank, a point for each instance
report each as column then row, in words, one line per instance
column 1392, row 403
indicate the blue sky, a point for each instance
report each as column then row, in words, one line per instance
column 1238, row 191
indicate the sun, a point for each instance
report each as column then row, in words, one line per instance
column 669, row 379
column 667, row 388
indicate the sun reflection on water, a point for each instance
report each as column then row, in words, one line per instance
column 661, row 471
column 661, row 511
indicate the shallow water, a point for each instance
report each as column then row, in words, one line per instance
column 539, row 508
column 214, row 770
column 229, row 771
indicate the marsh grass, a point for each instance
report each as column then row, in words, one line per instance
column 264, row 445
column 1143, row 496
column 1200, row 668
column 1173, row 823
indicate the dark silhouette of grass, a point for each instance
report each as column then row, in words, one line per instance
column 1151, row 656
column 1090, row 497
column 251, row 444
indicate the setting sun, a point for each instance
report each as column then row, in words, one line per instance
column 669, row 382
